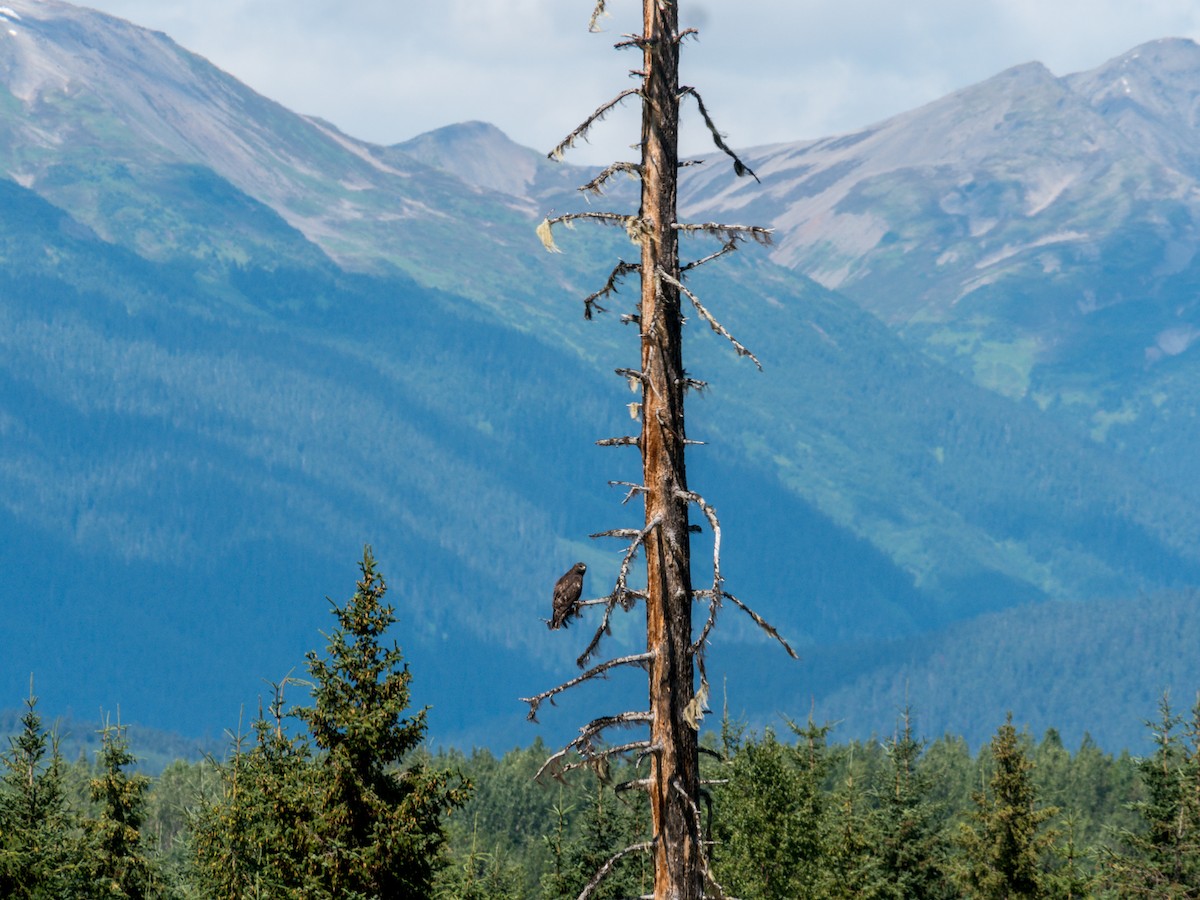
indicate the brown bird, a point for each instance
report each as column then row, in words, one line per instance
column 567, row 592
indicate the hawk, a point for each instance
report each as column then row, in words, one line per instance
column 567, row 592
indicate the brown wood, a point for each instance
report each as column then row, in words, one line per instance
column 674, row 776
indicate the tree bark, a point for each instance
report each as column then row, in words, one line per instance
column 674, row 777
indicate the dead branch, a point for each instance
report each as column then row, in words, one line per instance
column 760, row 235
column 600, row 875
column 583, row 743
column 620, row 593
column 715, row 524
column 581, row 131
column 545, row 230
column 758, row 620
column 636, row 376
column 610, row 287
column 639, row 659
column 728, row 247
column 626, row 441
column 596, row 185
column 626, row 533
column 606, row 753
column 642, row 784
column 596, row 14
column 708, row 317
column 634, row 489
column 739, row 167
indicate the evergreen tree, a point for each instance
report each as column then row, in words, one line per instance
column 480, row 876
column 853, row 866
column 343, row 811
column 912, row 844
column 771, row 815
column 378, row 831
column 254, row 839
column 117, row 865
column 1003, row 849
column 39, row 843
column 1162, row 858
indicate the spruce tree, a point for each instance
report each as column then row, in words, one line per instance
column 342, row 811
column 39, row 844
column 1003, row 848
column 771, row 815
column 117, row 865
column 378, row 832
column 1162, row 858
column 912, row 845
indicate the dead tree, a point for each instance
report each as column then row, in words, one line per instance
column 674, row 652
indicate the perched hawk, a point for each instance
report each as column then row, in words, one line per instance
column 566, row 596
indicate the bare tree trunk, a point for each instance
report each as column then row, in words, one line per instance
column 674, row 778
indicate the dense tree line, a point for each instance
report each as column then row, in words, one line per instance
column 338, row 798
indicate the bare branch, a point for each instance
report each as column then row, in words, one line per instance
column 708, row 317
column 596, row 185
column 534, row 702
column 758, row 620
column 620, row 593
column 636, row 377
column 606, row 753
column 596, row 14
column 626, row 533
column 581, row 132
column 634, row 489
column 600, row 875
column 610, row 287
column 715, row 524
column 583, row 743
column 641, row 784
column 626, row 441
column 757, row 233
column 545, row 230
column 739, row 167
column 728, row 247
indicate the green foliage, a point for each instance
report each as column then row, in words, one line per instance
column 345, row 810
column 116, row 863
column 770, row 824
column 1161, row 857
column 39, row 836
column 907, row 824
column 1005, row 846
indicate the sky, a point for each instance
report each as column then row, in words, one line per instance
column 769, row 70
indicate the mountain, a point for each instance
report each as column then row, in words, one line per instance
column 239, row 344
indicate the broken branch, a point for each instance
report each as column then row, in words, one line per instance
column 610, row 287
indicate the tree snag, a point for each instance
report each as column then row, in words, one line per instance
column 676, row 704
